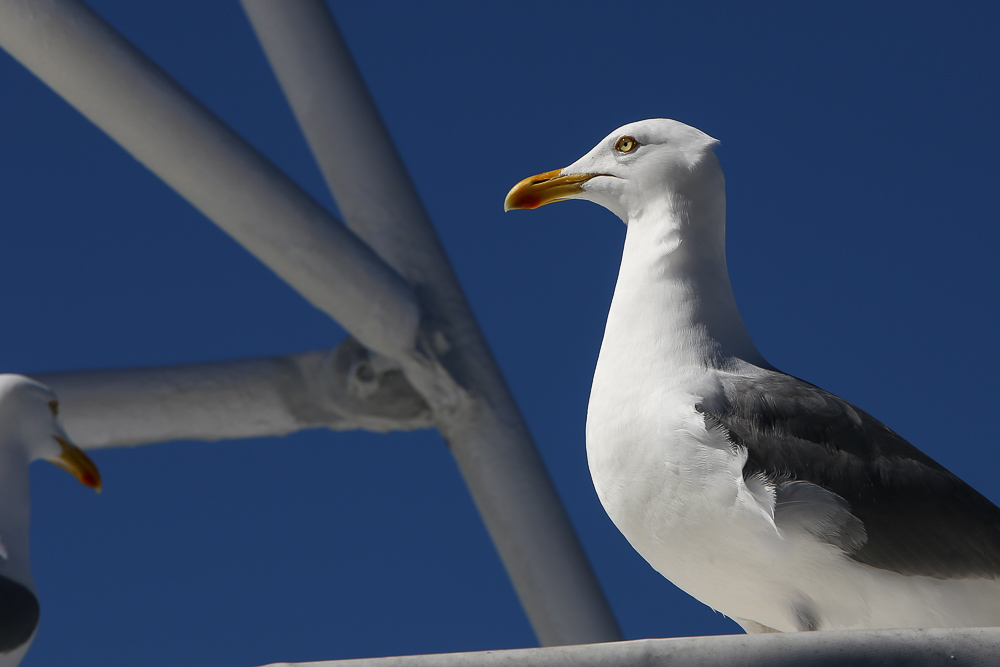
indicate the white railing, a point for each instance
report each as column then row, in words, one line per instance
column 966, row 647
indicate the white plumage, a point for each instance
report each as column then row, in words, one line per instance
column 29, row 430
column 765, row 497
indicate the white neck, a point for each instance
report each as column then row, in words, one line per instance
column 673, row 301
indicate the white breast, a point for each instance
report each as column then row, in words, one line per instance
column 676, row 491
column 674, row 488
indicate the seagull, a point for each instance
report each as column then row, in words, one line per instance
column 765, row 497
column 29, row 430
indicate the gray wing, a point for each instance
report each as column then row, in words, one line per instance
column 916, row 517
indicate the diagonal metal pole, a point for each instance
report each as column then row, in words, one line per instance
column 120, row 90
column 485, row 430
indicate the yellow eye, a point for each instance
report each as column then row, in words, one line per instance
column 54, row 407
column 626, row 144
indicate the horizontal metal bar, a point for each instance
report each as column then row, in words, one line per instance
column 965, row 647
column 341, row 389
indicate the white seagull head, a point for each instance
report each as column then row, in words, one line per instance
column 29, row 424
column 631, row 170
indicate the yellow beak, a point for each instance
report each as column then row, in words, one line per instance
column 74, row 461
column 543, row 189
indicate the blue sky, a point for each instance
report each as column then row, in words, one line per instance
column 859, row 145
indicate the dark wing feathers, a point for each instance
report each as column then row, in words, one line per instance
column 19, row 614
column 919, row 519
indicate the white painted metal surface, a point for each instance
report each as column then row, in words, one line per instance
column 967, row 647
column 485, row 430
column 345, row 388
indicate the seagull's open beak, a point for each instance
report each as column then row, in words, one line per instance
column 74, row 461
column 546, row 188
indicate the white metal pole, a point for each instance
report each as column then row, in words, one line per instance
column 933, row 647
column 124, row 93
column 338, row 389
column 485, row 430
